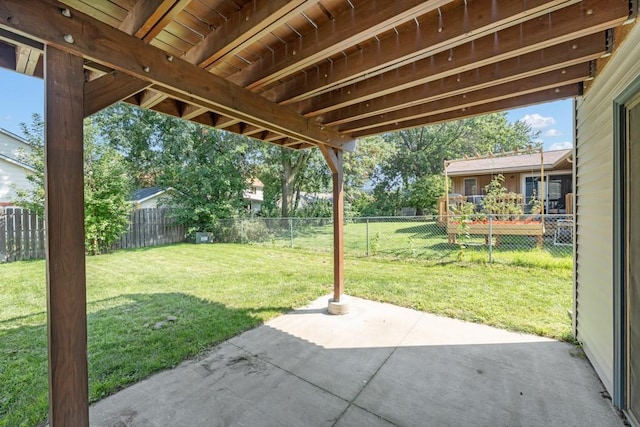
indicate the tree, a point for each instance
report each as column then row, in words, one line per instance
column 425, row 192
column 106, row 185
column 209, row 168
column 420, row 153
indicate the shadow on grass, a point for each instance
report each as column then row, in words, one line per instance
column 430, row 229
column 129, row 338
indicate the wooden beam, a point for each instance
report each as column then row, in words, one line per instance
column 254, row 21
column 345, row 30
column 534, row 63
column 103, row 44
column 109, row 89
column 559, row 26
column 334, row 158
column 491, row 107
column 64, row 211
column 439, row 69
column 190, row 111
column 150, row 98
column 143, row 21
column 551, row 79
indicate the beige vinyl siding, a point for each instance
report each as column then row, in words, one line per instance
column 594, row 206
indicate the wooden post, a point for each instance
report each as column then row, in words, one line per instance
column 334, row 159
column 64, row 210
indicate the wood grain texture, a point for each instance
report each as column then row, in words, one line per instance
column 103, row 44
column 64, row 210
column 334, row 159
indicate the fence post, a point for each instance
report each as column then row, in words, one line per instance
column 242, row 231
column 291, row 230
column 490, row 237
column 367, row 236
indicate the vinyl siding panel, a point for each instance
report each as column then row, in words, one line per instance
column 594, row 206
column 10, row 175
column 11, row 147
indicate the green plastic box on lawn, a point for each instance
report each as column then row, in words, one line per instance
column 204, row 237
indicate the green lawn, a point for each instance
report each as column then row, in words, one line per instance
column 213, row 292
column 416, row 239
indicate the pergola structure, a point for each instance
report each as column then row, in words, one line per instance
column 296, row 73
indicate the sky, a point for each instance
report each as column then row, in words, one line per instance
column 21, row 96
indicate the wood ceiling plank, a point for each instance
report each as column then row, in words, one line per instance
column 144, row 16
column 343, row 31
column 109, row 89
column 91, row 10
column 559, row 26
column 190, row 111
column 150, row 98
column 538, row 62
column 539, row 97
column 103, row 44
column 242, row 29
column 548, row 80
column 174, row 10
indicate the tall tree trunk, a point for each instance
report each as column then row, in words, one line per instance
column 290, row 171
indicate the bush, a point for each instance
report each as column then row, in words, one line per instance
column 240, row 231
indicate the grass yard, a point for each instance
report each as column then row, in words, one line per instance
column 149, row 309
column 421, row 239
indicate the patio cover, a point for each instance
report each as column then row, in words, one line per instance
column 299, row 73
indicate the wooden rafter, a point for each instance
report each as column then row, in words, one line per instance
column 341, row 32
column 248, row 25
column 148, row 18
column 555, row 57
column 108, row 89
column 564, row 24
column 152, row 64
column 534, row 98
column 548, row 80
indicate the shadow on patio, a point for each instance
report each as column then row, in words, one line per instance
column 379, row 365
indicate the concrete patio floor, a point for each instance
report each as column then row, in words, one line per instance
column 380, row 365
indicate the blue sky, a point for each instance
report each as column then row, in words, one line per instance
column 23, row 95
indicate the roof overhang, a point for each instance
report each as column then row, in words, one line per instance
column 307, row 73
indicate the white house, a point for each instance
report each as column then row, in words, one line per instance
column 13, row 172
column 254, row 196
column 152, row 197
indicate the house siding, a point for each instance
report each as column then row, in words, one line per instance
column 11, row 147
column 594, row 206
column 11, row 175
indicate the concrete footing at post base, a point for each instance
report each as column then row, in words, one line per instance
column 339, row 307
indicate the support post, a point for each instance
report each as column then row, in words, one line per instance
column 64, row 210
column 334, row 158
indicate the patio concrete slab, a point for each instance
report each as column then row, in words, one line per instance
column 380, row 365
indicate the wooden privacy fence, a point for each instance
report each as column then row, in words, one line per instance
column 151, row 227
column 22, row 233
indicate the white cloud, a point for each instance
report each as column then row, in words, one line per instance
column 565, row 145
column 552, row 132
column 536, row 121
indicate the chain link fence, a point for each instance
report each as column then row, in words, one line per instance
column 519, row 240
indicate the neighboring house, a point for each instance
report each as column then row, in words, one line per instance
column 521, row 172
column 254, row 196
column 13, row 172
column 152, row 197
